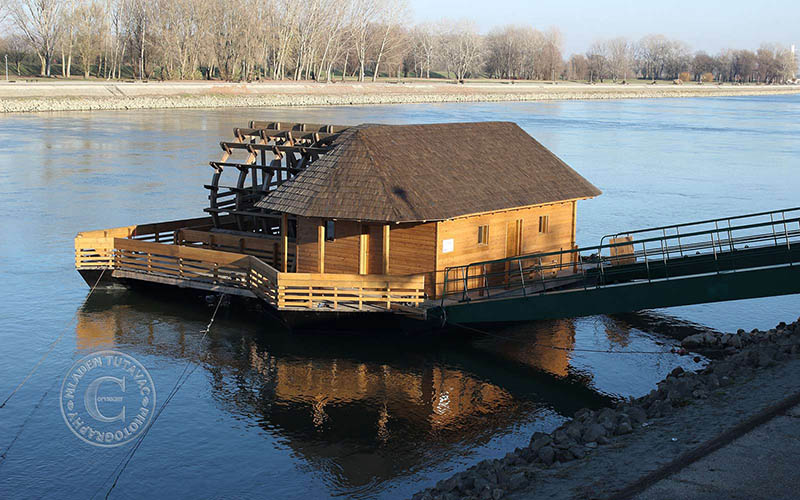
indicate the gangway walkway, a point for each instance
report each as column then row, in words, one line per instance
column 746, row 256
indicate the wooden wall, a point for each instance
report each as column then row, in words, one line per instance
column 417, row 248
column 306, row 245
column 412, row 247
column 464, row 233
column 341, row 254
column 412, row 250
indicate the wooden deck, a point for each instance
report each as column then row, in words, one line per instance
column 185, row 254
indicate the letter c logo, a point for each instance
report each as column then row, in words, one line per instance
column 90, row 399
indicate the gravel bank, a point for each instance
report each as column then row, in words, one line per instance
column 73, row 96
column 598, row 453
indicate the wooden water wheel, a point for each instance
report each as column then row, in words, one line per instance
column 270, row 154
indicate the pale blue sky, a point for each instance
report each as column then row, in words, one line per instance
column 705, row 24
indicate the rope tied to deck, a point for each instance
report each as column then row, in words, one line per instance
column 182, row 378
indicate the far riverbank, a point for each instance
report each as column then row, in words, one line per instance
column 36, row 96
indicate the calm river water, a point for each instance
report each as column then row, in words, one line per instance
column 274, row 415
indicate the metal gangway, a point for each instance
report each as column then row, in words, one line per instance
column 730, row 258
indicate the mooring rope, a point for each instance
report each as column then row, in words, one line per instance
column 182, row 378
column 55, row 342
column 25, row 423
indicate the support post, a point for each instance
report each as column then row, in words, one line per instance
column 363, row 250
column 285, row 243
column 386, row 229
column 321, row 246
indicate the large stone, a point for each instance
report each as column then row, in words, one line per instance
column 561, row 436
column 693, row 341
column 574, row 431
column 637, row 414
column 546, row 454
column 735, row 341
column 593, row 432
column 564, row 455
column 538, row 440
column 606, row 413
column 624, row 428
column 578, row 451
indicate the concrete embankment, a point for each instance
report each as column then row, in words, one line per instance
column 620, row 450
column 77, row 96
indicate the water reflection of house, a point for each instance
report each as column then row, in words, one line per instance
column 362, row 414
column 95, row 330
column 544, row 345
column 435, row 398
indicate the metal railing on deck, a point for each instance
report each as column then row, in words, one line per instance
column 667, row 252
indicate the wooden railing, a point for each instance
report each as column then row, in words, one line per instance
column 265, row 247
column 177, row 261
column 306, row 290
column 93, row 248
column 236, row 270
column 263, row 281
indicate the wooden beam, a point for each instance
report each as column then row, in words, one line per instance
column 386, row 229
column 219, row 165
column 226, row 146
column 363, row 250
column 284, row 243
column 574, row 221
column 321, row 246
column 298, row 127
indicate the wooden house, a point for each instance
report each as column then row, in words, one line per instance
column 319, row 219
column 410, row 199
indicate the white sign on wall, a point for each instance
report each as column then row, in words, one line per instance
column 448, row 245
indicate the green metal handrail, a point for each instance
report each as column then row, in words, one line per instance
column 598, row 269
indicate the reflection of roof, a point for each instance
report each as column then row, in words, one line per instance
column 403, row 173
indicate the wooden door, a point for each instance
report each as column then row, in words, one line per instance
column 513, row 248
column 514, row 238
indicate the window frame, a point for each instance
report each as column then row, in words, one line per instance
column 544, row 224
column 483, row 235
column 330, row 230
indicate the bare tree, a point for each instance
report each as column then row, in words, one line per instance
column 389, row 14
column 426, row 43
column 364, row 12
column 620, row 57
column 89, row 31
column 41, row 22
column 578, row 67
column 462, row 49
column 16, row 47
column 597, row 58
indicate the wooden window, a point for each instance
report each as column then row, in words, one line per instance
column 544, row 223
column 329, row 230
column 483, row 235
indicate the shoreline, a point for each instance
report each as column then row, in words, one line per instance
column 620, row 451
column 87, row 96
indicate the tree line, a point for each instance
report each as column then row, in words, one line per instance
column 325, row 40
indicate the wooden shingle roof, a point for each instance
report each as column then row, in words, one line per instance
column 404, row 173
